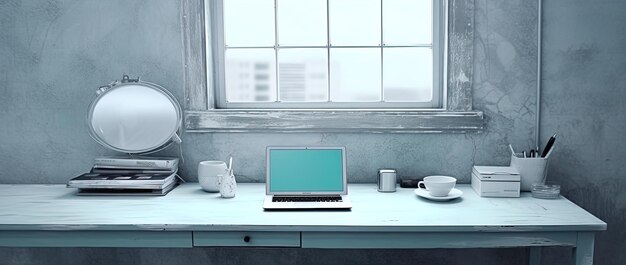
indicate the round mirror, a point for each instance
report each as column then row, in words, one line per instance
column 134, row 117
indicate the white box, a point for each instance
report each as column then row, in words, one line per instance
column 496, row 173
column 495, row 188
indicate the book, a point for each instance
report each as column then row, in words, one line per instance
column 122, row 171
column 125, row 181
column 168, row 163
column 126, row 192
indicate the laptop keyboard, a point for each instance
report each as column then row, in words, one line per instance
column 306, row 199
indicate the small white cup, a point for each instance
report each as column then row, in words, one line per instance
column 438, row 186
column 208, row 172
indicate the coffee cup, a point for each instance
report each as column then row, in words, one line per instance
column 437, row 186
column 208, row 172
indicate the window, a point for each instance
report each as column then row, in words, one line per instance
column 321, row 54
column 263, row 82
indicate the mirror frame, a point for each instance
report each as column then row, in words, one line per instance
column 126, row 81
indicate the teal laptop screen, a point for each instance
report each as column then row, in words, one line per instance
column 306, row 170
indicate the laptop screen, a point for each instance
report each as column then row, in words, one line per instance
column 304, row 170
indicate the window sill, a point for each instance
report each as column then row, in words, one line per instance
column 369, row 121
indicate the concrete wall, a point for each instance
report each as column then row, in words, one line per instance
column 584, row 98
column 55, row 53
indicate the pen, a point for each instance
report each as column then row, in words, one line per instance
column 513, row 151
column 537, row 151
column 549, row 145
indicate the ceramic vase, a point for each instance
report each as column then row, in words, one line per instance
column 228, row 185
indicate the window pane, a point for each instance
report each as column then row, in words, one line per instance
column 355, row 22
column 249, row 23
column 408, row 74
column 301, row 22
column 302, row 74
column 250, row 75
column 355, row 74
column 407, row 22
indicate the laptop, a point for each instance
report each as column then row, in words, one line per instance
column 306, row 178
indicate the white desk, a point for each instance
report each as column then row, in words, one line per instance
column 51, row 215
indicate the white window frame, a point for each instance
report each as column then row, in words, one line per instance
column 215, row 11
column 454, row 116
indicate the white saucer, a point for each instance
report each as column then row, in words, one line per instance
column 454, row 193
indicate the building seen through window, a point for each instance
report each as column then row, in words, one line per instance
column 331, row 51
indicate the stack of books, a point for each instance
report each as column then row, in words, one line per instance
column 128, row 176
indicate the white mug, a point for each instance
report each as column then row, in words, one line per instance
column 438, row 186
column 208, row 172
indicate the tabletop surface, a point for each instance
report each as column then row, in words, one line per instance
column 189, row 208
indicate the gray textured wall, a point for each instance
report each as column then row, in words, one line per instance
column 54, row 53
column 584, row 100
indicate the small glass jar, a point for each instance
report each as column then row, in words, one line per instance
column 547, row 190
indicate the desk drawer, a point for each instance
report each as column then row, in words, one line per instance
column 76, row 238
column 246, row 239
column 436, row 239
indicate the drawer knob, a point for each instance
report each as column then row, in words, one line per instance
column 246, row 239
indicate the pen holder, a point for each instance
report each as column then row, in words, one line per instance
column 532, row 170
